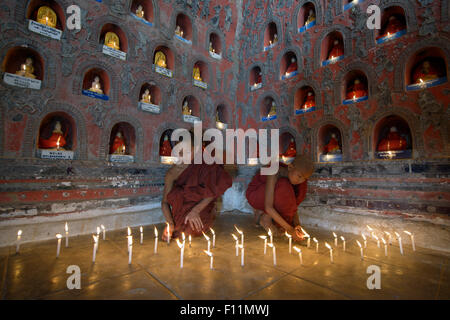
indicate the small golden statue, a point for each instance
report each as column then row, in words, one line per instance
column 112, row 40
column 27, row 69
column 217, row 116
column 96, row 86
column 146, row 96
column 196, row 74
column 186, row 110
column 179, row 32
column 140, row 12
column 211, row 49
column 160, row 59
column 311, row 17
column 47, row 16
column 273, row 110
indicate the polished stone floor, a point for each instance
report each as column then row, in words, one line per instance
column 36, row 273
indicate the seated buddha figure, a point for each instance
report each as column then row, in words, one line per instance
column 179, row 32
column 337, row 50
column 96, row 86
column 258, row 78
column 211, row 49
column 310, row 101
column 196, row 73
column 112, row 40
column 146, row 96
column 47, row 16
column 393, row 26
column 140, row 12
column 27, row 69
column 291, row 151
column 311, row 17
column 160, row 59
column 166, row 149
column 56, row 141
column 332, row 146
column 273, row 110
column 357, row 90
column 292, row 66
column 392, row 142
column 425, row 72
column 118, row 146
column 186, row 110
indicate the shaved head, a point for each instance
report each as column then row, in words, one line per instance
column 303, row 164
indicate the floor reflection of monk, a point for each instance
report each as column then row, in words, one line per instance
column 190, row 194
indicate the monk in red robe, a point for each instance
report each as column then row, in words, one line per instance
column 190, row 194
column 394, row 25
column 310, row 101
column 425, row 72
column 357, row 90
column 166, row 148
column 291, row 151
column 259, row 78
column 337, row 50
column 56, row 141
column 275, row 198
column 332, row 146
column 393, row 142
column 292, row 66
column 118, row 146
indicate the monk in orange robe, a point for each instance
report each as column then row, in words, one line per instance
column 292, row 66
column 310, row 101
column 166, row 148
column 357, row 90
column 118, row 146
column 425, row 72
column 337, row 50
column 56, row 140
column 394, row 25
column 275, row 198
column 332, row 146
column 393, row 141
column 190, row 194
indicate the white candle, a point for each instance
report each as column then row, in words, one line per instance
column 370, row 229
column 412, row 239
column 290, row 241
column 211, row 258
column 343, row 242
column 19, row 236
column 335, row 239
column 190, row 240
column 270, row 235
column 156, row 240
column 385, row 246
column 237, row 244
column 317, row 244
column 66, row 228
column 376, row 238
column 299, row 254
column 98, row 231
column 214, row 237
column 181, row 246
column 183, row 237
column 242, row 254
column 130, row 248
column 365, row 240
column 94, row 251
column 142, row 234
column 389, row 235
column 274, row 253
column 104, row 231
column 209, row 241
column 58, row 248
column 265, row 243
column 308, row 236
column 129, row 237
column 331, row 251
column 242, row 235
column 361, row 248
column 168, row 233
column 399, row 242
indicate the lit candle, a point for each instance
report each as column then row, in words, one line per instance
column 376, row 238
column 142, row 234
column 370, row 229
column 274, row 253
column 183, row 237
column 168, row 233
column 237, row 243
column 365, row 240
column 361, row 248
column 46, row 21
column 211, row 258
column 181, row 246
column 58, row 248
column 130, row 248
column 190, row 240
column 129, row 237
column 66, row 228
column 335, row 239
column 308, row 236
column 265, row 243
column 156, row 240
column 412, row 239
column 242, row 235
column 19, row 236
column 331, row 251
column 104, row 231
column 317, row 244
column 214, row 237
column 290, row 241
column 343, row 242
column 94, row 252
column 209, row 241
column 389, row 235
column 270, row 235
column 299, row 254
column 399, row 242
column 242, row 254
column 98, row 231
column 385, row 246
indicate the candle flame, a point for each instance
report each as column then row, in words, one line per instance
column 368, row 227
column 19, row 233
column 271, row 245
column 156, row 232
column 315, row 240
column 305, row 233
column 234, row 236
column 398, row 236
column 288, row 235
column 212, row 231
column 342, row 238
column 359, row 244
column 270, row 232
column 408, row 233
column 59, row 236
column 98, row 230
column 297, row 249
column 328, row 246
column 103, row 227
column 363, row 236
column 66, row 227
column 384, row 241
column 180, row 244
column 140, row 229
column 263, row 237
column 239, row 231
column 206, row 237
column 183, row 236
column 334, row 234
column 95, row 238
column 421, row 81
column 209, row 253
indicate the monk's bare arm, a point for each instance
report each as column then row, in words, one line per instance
column 268, row 203
column 169, row 179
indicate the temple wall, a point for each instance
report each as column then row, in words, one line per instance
column 39, row 195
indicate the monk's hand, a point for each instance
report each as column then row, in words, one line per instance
column 298, row 234
column 193, row 218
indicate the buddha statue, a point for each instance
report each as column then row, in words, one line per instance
column 217, row 117
column 357, row 90
column 310, row 101
column 337, row 50
column 179, row 32
column 166, row 149
column 47, row 16
column 393, row 26
column 332, row 146
column 96, row 86
column 146, row 96
column 292, row 66
column 56, row 141
column 118, row 146
column 196, row 73
column 140, row 12
column 275, row 38
column 112, row 40
column 425, row 72
column 160, row 59
column 259, row 78
column 393, row 142
column 27, row 69
column 311, row 17
column 186, row 110
column 291, row 151
column 273, row 110
column 211, row 49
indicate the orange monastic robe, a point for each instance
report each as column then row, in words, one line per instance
column 332, row 146
column 118, row 145
column 426, row 75
column 309, row 102
column 357, row 91
column 393, row 142
column 291, row 151
column 51, row 142
column 336, row 51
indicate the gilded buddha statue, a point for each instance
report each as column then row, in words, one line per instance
column 160, row 59
column 140, row 12
column 196, row 73
column 179, row 32
column 273, row 110
column 311, row 17
column 47, row 16
column 27, row 69
column 186, row 110
column 146, row 96
column 112, row 40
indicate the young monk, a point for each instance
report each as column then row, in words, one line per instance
column 190, row 194
column 275, row 198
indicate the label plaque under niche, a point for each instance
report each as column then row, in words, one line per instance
column 164, row 71
column 44, row 30
column 215, row 55
column 200, row 84
column 55, row 154
column 22, row 82
column 114, row 53
column 121, row 158
column 149, row 107
column 191, row 119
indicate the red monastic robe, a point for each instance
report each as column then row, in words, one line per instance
column 292, row 67
column 51, row 142
column 118, row 145
column 421, row 73
column 332, row 146
column 166, row 149
column 357, row 91
column 393, row 142
column 336, row 51
column 393, row 26
column 309, row 102
column 195, row 183
column 291, row 152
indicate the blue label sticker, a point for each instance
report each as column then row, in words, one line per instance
column 391, row 37
column 269, row 118
column 302, row 111
column 351, row 101
column 95, row 95
column 426, row 84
